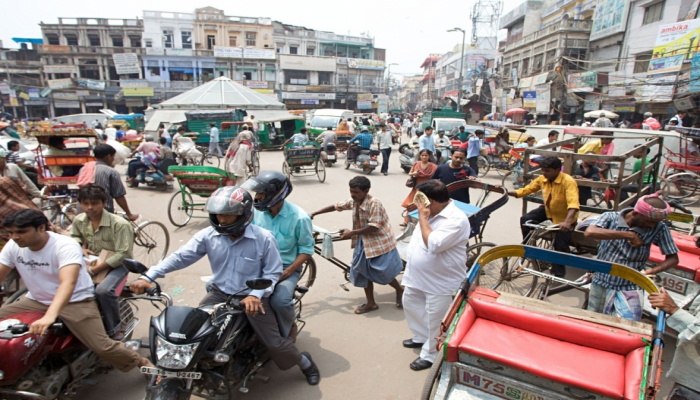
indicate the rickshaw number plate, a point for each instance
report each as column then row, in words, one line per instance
column 674, row 283
column 491, row 384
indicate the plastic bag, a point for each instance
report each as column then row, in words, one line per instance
column 327, row 248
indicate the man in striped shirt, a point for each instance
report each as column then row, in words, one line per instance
column 626, row 238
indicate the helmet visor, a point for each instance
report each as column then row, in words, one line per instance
column 256, row 189
column 226, row 202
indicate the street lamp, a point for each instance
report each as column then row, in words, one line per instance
column 461, row 66
column 242, row 63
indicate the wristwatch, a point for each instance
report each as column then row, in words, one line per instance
column 90, row 271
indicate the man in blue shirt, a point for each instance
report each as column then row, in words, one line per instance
column 453, row 172
column 237, row 252
column 426, row 141
column 364, row 139
column 473, row 147
column 299, row 139
column 291, row 226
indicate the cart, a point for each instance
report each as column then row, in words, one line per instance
column 304, row 160
column 197, row 181
column 681, row 172
column 497, row 345
column 341, row 142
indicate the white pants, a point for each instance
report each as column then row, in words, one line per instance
column 424, row 312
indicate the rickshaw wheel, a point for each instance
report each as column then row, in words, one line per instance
column 431, row 382
column 256, row 164
column 502, row 275
column 151, row 242
column 473, row 253
column 286, row 169
column 320, row 171
column 306, row 278
column 483, row 165
column 176, row 209
column 684, row 188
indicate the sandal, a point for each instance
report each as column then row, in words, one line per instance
column 399, row 302
column 363, row 309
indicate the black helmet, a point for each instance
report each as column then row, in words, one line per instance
column 273, row 184
column 230, row 200
column 419, row 132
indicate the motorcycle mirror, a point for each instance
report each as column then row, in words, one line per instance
column 134, row 266
column 259, row 283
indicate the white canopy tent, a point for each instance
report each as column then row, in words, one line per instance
column 219, row 94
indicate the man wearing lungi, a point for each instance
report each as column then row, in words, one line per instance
column 375, row 259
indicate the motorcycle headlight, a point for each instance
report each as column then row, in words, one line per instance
column 174, row 356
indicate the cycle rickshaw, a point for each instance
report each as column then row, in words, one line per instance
column 304, row 160
column 681, row 171
column 198, row 181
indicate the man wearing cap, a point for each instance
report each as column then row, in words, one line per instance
column 603, row 122
column 626, row 238
column 650, row 123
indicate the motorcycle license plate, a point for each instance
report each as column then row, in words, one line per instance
column 372, row 163
column 174, row 374
column 331, row 156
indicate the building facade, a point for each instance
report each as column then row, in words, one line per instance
column 22, row 76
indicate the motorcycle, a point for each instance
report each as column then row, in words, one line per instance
column 365, row 159
column 205, row 351
column 328, row 155
column 445, row 153
column 407, row 159
column 156, row 179
column 45, row 367
column 186, row 151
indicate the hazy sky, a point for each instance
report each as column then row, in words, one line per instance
column 409, row 30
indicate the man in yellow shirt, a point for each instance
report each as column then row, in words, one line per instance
column 561, row 205
column 596, row 146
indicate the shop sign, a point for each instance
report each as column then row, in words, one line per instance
column 94, row 104
column 60, row 69
column 541, row 79
column 308, row 96
column 33, row 93
column 364, row 97
column 37, row 102
column 90, row 84
column 309, row 102
column 364, row 105
column 675, row 43
column 543, row 96
column 66, row 104
column 66, row 96
column 256, row 84
column 624, row 107
column 525, row 83
column 4, row 88
column 361, row 63
column 23, row 96
column 138, row 92
column 133, row 83
column 55, row 48
column 60, row 83
column 582, row 81
column 126, row 63
column 530, row 99
column 656, row 91
column 235, row 52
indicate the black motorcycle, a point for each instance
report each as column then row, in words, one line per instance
column 206, row 351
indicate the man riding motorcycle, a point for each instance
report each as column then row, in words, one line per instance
column 237, row 252
column 53, row 269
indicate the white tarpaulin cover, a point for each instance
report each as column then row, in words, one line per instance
column 164, row 117
column 221, row 93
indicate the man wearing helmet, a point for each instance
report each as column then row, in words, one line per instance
column 291, row 227
column 238, row 251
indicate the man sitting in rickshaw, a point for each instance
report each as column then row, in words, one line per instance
column 626, row 238
column 298, row 139
column 15, row 172
column 561, row 205
column 57, row 147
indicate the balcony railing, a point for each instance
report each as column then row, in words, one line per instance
column 563, row 26
column 91, row 50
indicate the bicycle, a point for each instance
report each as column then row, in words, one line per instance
column 151, row 240
column 208, row 159
column 60, row 210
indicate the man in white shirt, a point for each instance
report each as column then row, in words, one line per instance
column 603, row 122
column 111, row 132
column 693, row 152
column 383, row 140
column 53, row 269
column 214, row 140
column 552, row 137
column 680, row 117
column 435, row 267
column 351, row 126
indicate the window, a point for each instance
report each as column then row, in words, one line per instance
column 324, row 78
column 154, row 71
column 293, row 50
column 641, row 62
column 135, row 41
column 232, row 41
column 279, row 50
column 296, row 77
column 310, row 51
column 211, row 41
column 186, row 39
column 168, row 38
column 250, row 38
column 270, row 73
column 653, row 13
column 149, row 43
column 52, row 39
column 94, row 40
column 117, row 41
column 71, row 40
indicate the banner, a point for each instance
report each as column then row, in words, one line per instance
column 126, row 63
column 33, row 93
column 90, row 84
column 530, row 99
column 364, row 105
column 541, row 79
column 609, row 18
column 364, row 97
column 525, row 83
column 236, row 52
column 361, row 63
column 582, row 81
column 656, row 91
column 138, row 92
column 256, row 84
column 695, row 73
column 674, row 43
column 543, row 95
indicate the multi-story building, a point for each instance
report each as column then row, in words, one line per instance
column 410, row 93
column 21, row 72
column 80, row 53
column 325, row 70
column 427, row 91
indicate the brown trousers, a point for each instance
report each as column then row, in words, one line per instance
column 84, row 321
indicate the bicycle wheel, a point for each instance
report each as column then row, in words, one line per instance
column 256, row 163
column 180, row 209
column 512, row 180
column 598, row 198
column 210, row 160
column 286, row 170
column 483, row 165
column 506, row 275
column 473, row 253
column 320, row 171
column 683, row 188
column 151, row 242
column 308, row 274
column 68, row 214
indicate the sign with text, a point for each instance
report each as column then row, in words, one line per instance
column 90, row 84
column 60, row 69
column 543, row 95
column 364, row 105
column 656, row 91
column 138, row 92
column 675, row 43
column 695, row 73
column 364, row 97
column 60, row 83
column 609, row 18
column 133, row 83
column 582, row 81
column 530, row 99
column 55, row 48
column 308, row 96
column 4, row 88
column 33, row 93
column 361, row 63
column 126, row 63
column 256, row 84
column 236, row 52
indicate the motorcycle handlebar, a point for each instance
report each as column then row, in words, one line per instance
column 24, row 328
column 675, row 204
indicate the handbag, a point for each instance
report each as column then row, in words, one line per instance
column 411, row 182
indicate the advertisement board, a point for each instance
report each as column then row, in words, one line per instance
column 364, row 105
column 674, row 44
column 236, row 52
column 659, row 89
column 33, row 93
column 364, row 97
column 133, row 83
column 361, row 63
column 530, row 99
column 90, row 84
column 60, row 69
column 126, row 63
column 609, row 18
column 256, row 84
column 60, row 83
column 138, row 92
column 582, row 81
column 543, row 95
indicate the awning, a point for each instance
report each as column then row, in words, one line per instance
column 273, row 115
column 186, row 70
column 164, row 116
column 26, row 40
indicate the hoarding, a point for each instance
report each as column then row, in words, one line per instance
column 530, row 99
column 543, row 96
column 675, row 43
column 582, row 81
column 237, row 52
column 126, row 63
column 609, row 18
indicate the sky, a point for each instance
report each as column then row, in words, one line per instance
column 409, row 30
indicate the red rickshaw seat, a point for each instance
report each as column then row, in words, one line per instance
column 570, row 351
column 687, row 261
column 682, row 165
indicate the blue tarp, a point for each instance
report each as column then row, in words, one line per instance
column 25, row 40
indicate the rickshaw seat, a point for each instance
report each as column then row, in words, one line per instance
column 682, row 165
column 573, row 352
column 687, row 261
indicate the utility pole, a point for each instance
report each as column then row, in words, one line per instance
column 562, row 71
column 242, row 64
column 461, row 67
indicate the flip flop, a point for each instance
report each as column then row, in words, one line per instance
column 363, row 309
column 399, row 303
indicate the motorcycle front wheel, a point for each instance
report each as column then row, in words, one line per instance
column 168, row 389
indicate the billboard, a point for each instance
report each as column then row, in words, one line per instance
column 675, row 43
column 582, row 81
column 126, row 63
column 237, row 52
column 609, row 18
column 530, row 99
column 362, row 63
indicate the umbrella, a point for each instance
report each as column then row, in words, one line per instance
column 596, row 114
column 515, row 111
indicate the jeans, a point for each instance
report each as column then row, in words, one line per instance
column 215, row 146
column 108, row 299
column 282, row 302
column 133, row 167
column 385, row 160
column 474, row 164
column 561, row 239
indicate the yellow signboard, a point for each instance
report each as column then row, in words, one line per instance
column 138, row 92
column 674, row 43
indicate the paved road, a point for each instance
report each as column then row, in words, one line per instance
column 360, row 356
